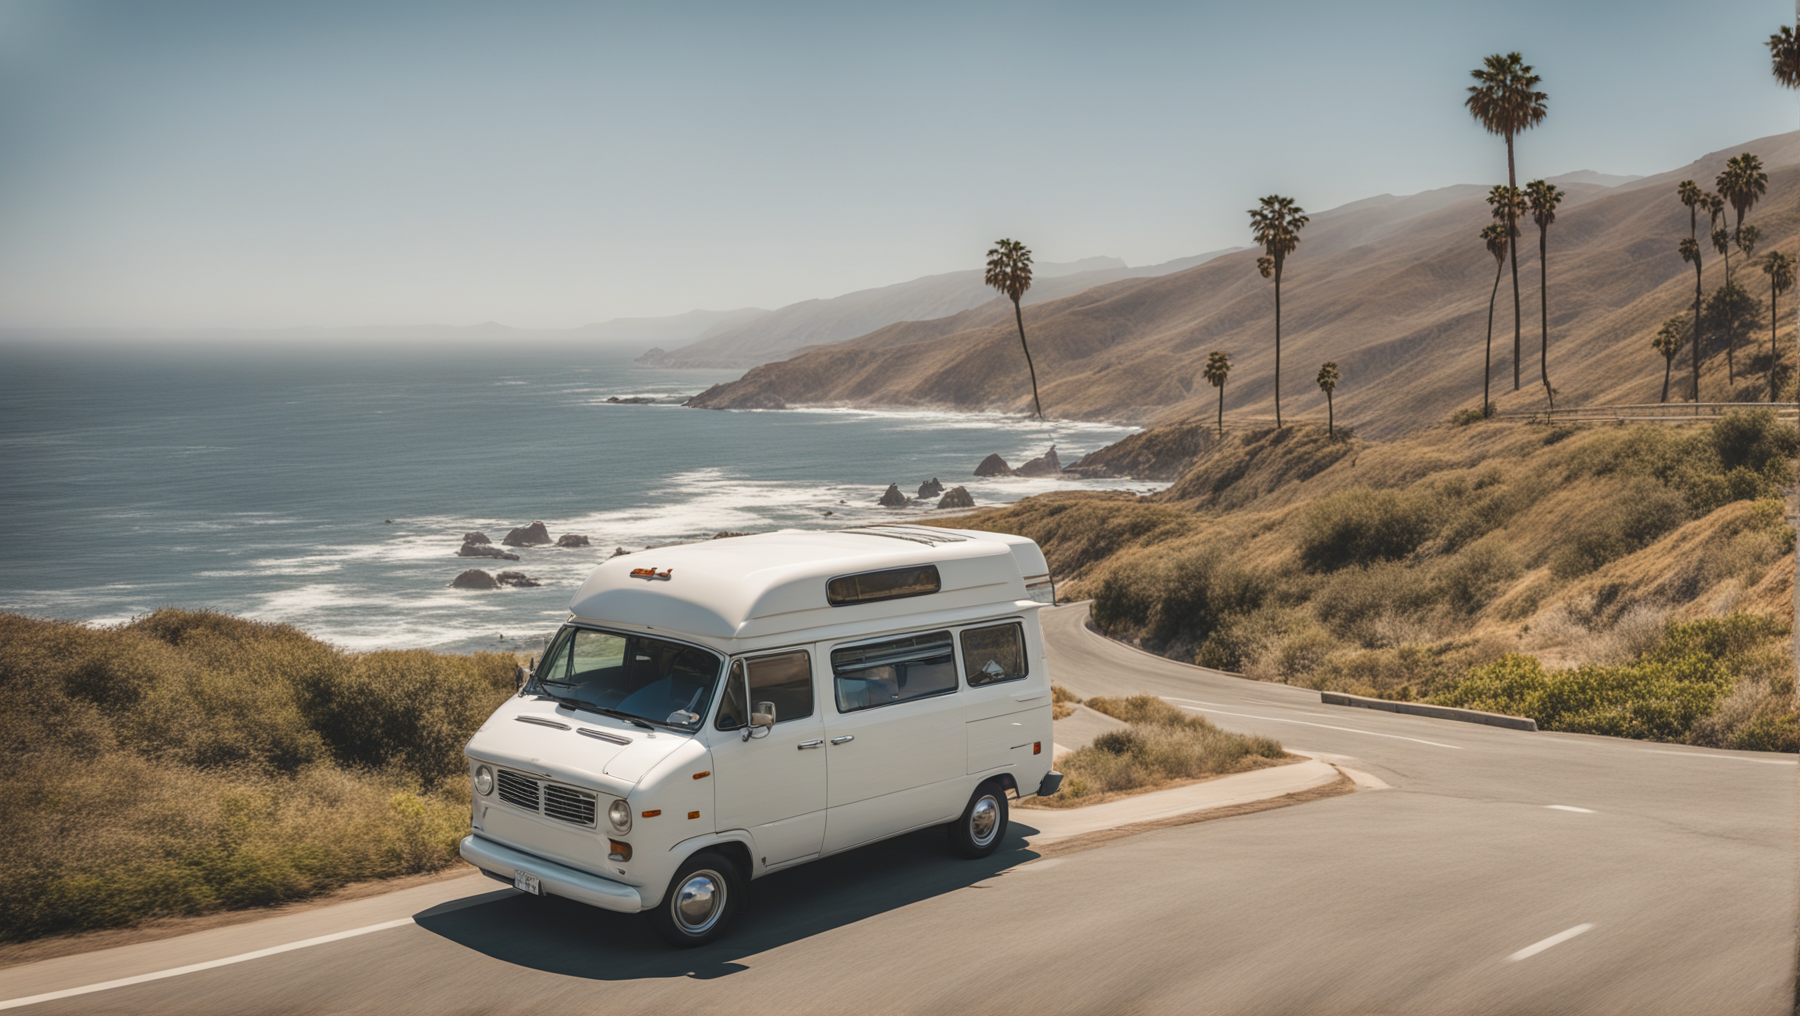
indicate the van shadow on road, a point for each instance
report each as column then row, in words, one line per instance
column 564, row 937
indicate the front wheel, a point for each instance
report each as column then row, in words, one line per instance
column 705, row 894
column 983, row 823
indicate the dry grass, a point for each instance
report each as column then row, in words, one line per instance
column 191, row 761
column 1161, row 745
column 1062, row 702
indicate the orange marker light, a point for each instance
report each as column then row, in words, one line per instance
column 703, row 774
column 652, row 813
column 693, row 814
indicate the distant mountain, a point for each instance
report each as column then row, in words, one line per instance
column 778, row 334
column 677, row 330
column 1393, row 289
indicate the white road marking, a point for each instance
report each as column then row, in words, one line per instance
column 1557, row 939
column 1570, row 807
column 51, row 996
column 1202, row 707
column 1728, row 758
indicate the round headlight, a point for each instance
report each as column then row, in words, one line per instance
column 620, row 816
column 484, row 780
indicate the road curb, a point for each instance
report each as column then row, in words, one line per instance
column 1335, row 698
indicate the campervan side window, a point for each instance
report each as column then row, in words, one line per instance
column 895, row 670
column 992, row 655
column 784, row 679
column 891, row 584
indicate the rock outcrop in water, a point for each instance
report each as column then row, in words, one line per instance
column 1045, row 465
column 476, row 538
column 572, row 540
column 479, row 550
column 632, row 400
column 474, row 578
column 534, row 535
column 993, row 465
column 892, row 498
column 958, row 497
column 930, row 488
column 620, row 552
column 516, row 579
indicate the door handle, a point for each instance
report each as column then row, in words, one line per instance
column 803, row 745
column 841, row 740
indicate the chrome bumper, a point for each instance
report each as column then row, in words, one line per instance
column 555, row 879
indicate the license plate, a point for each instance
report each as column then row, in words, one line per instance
column 525, row 882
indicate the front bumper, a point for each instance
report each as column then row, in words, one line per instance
column 556, row 879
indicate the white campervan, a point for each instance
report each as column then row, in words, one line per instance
column 716, row 711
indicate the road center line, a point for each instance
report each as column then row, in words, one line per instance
column 1728, row 758
column 1204, row 708
column 51, row 996
column 1557, row 939
column 1570, row 807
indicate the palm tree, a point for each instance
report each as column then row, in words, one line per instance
column 1009, row 271
column 1784, row 54
column 1721, row 241
column 1668, row 343
column 1741, row 184
column 1544, row 197
column 1694, row 198
column 1328, row 379
column 1779, row 268
column 1218, row 367
column 1276, row 225
column 1495, row 238
column 1504, row 100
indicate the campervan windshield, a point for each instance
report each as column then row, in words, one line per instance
column 633, row 676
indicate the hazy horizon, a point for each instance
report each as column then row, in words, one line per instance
column 211, row 166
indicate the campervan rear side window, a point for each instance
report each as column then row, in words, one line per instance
column 896, row 670
column 992, row 655
column 890, row 584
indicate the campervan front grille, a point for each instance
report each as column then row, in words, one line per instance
column 552, row 800
column 518, row 789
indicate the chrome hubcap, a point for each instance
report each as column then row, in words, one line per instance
column 699, row 901
column 984, row 821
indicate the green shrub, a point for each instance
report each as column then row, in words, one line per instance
column 1178, row 599
column 1658, row 700
column 1364, row 604
column 1469, row 580
column 1642, row 511
column 1361, row 526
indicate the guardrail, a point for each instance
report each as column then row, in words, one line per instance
column 1338, row 698
column 1674, row 412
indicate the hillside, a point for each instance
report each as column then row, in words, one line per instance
column 1395, row 290
column 1624, row 580
column 779, row 333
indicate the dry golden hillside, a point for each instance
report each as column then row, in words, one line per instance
column 1395, row 290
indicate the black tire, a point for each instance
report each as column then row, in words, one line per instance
column 982, row 825
column 707, row 874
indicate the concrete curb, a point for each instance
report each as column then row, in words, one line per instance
column 1333, row 698
column 1054, row 824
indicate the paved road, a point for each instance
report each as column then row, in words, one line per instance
column 1503, row 872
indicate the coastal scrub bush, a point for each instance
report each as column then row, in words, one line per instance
column 1176, row 599
column 1161, row 744
column 1361, row 526
column 1641, row 512
column 1658, row 701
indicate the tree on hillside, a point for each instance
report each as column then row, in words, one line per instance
column 1544, row 197
column 1784, row 55
column 1668, row 342
column 1495, row 238
column 1779, row 267
column 1276, row 225
column 1732, row 314
column 1328, row 379
column 1009, row 271
column 1505, row 101
column 1218, row 368
column 1741, row 184
column 1694, row 198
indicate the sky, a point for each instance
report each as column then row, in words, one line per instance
column 545, row 164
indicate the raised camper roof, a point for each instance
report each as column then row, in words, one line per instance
column 750, row 586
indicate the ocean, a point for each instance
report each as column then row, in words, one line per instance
column 330, row 488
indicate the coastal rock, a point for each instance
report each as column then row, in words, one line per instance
column 993, row 465
column 572, row 540
column 476, row 538
column 620, row 552
column 474, row 578
column 930, row 488
column 1045, row 465
column 516, row 579
column 892, row 498
column 477, row 550
column 634, row 400
column 725, row 534
column 958, row 497
column 534, row 535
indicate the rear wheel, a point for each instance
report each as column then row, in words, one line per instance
column 978, row 832
column 705, row 894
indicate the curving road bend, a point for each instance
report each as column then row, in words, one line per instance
column 1501, row 872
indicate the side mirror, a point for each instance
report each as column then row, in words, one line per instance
column 764, row 716
column 523, row 673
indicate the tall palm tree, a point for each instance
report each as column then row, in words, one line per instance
column 1495, row 238
column 1668, row 343
column 1218, row 368
column 1276, row 225
column 1741, row 184
column 1784, row 54
column 1694, row 198
column 1328, row 379
column 1721, row 241
column 1505, row 101
column 1009, row 271
column 1544, row 197
column 1779, row 267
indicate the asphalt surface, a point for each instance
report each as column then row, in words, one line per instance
column 1503, row 872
